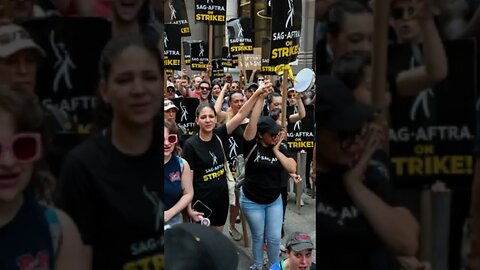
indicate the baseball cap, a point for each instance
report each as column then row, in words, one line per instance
column 170, row 84
column 299, row 241
column 168, row 104
column 267, row 124
column 251, row 85
column 193, row 246
column 337, row 108
column 14, row 38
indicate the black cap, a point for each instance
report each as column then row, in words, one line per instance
column 337, row 108
column 252, row 85
column 267, row 124
column 193, row 246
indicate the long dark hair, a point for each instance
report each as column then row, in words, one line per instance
column 112, row 50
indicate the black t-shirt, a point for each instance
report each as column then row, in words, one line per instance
column 116, row 201
column 345, row 239
column 206, row 159
column 234, row 147
column 263, row 173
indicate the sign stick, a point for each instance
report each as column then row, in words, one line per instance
column 182, row 56
column 284, row 98
column 242, row 82
column 210, row 45
column 379, row 55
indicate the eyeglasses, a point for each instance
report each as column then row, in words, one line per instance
column 172, row 139
column 25, row 147
column 399, row 12
column 347, row 139
column 290, row 96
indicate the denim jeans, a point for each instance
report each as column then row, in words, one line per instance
column 265, row 221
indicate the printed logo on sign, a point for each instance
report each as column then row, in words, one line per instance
column 28, row 262
column 421, row 102
column 184, row 112
column 154, row 198
column 173, row 12
column 214, row 158
column 291, row 12
column 165, row 40
column 63, row 64
column 200, row 54
column 240, row 29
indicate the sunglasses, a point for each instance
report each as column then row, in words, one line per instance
column 400, row 13
column 25, row 147
column 261, row 80
column 204, row 88
column 172, row 139
column 290, row 96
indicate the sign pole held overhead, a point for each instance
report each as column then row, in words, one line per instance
column 210, row 45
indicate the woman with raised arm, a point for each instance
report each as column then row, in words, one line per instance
column 260, row 197
column 205, row 154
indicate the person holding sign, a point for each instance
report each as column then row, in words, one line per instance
column 260, row 195
column 359, row 224
column 205, row 154
column 110, row 184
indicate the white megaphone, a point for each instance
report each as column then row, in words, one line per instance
column 305, row 84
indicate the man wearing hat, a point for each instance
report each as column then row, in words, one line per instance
column 171, row 91
column 359, row 224
column 299, row 253
column 19, row 56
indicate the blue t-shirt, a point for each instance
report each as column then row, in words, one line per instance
column 281, row 266
column 172, row 179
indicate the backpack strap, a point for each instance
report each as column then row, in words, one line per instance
column 180, row 161
column 55, row 229
column 250, row 153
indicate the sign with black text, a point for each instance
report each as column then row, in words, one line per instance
column 431, row 136
column 286, row 29
column 186, row 53
column 199, row 55
column 172, row 45
column 301, row 134
column 178, row 15
column 213, row 11
column 266, row 69
column 68, row 78
column 240, row 36
column 227, row 58
column 217, row 68
column 186, row 113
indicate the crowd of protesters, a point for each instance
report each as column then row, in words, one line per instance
column 238, row 122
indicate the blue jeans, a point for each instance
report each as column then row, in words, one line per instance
column 265, row 221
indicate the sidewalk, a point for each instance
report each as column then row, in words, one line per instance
column 296, row 219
